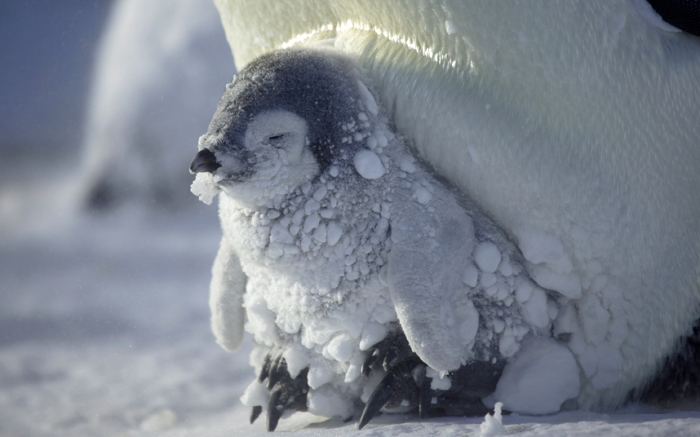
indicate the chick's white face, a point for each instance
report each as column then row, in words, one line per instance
column 280, row 159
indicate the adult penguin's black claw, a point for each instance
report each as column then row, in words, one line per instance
column 425, row 393
column 380, row 396
column 255, row 413
column 275, row 408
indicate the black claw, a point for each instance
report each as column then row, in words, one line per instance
column 390, row 359
column 380, row 396
column 391, row 352
column 426, row 398
column 275, row 408
column 410, row 386
column 255, row 413
column 278, row 369
column 369, row 363
column 265, row 371
column 425, row 394
column 301, row 389
column 286, row 393
column 405, row 383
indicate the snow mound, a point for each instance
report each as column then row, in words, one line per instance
column 539, row 379
column 493, row 424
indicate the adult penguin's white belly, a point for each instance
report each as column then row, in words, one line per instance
column 575, row 125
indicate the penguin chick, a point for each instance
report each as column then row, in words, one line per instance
column 362, row 277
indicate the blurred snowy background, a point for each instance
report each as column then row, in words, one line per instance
column 105, row 255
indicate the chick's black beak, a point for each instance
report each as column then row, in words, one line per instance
column 204, row 161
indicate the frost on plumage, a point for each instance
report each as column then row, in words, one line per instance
column 204, row 187
column 345, row 240
column 368, row 164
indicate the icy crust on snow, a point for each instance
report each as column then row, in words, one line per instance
column 375, row 242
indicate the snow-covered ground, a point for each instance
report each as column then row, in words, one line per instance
column 104, row 326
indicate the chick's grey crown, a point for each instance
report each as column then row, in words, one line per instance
column 320, row 88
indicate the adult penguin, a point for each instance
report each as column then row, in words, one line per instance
column 573, row 125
